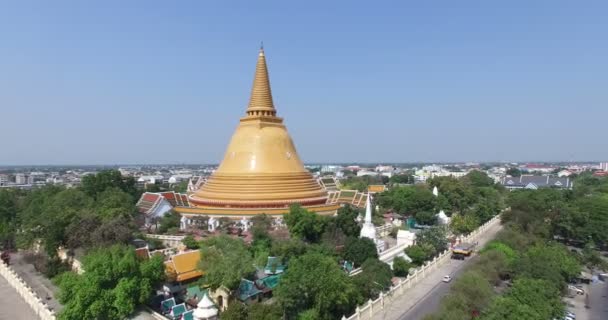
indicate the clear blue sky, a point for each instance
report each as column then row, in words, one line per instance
column 371, row 81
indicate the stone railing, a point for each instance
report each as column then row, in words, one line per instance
column 384, row 230
column 30, row 297
column 367, row 310
column 167, row 240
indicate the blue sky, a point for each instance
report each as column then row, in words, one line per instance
column 166, row 81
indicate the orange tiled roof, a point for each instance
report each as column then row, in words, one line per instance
column 184, row 265
column 376, row 188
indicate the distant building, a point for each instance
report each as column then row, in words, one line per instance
column 604, row 166
column 3, row 179
column 20, row 178
column 536, row 182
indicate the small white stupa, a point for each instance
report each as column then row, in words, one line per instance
column 368, row 230
column 435, row 191
column 205, row 309
column 443, row 218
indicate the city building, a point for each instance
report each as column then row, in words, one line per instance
column 261, row 171
column 20, row 178
column 535, row 182
column 604, row 166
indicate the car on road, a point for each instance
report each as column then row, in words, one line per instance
column 576, row 289
column 446, row 279
column 570, row 314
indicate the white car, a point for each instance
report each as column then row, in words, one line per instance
column 446, row 279
column 577, row 290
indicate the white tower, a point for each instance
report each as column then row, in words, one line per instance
column 435, row 191
column 368, row 230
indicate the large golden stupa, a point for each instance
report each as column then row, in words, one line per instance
column 261, row 171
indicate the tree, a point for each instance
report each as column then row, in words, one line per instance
column 262, row 311
column 419, row 253
column 114, row 283
column 514, row 172
column 401, row 267
column 190, row 242
column 435, row 237
column 113, row 202
column 235, row 311
column 478, row 178
column 528, row 299
column 551, row 262
column 95, row 184
column 374, row 278
column 346, row 220
column 226, row 262
column 475, row 289
column 408, row 200
column 463, row 224
column 170, row 220
column 358, row 250
column 305, row 224
column 315, row 281
column 426, row 218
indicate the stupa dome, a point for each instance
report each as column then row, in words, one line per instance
column 261, row 167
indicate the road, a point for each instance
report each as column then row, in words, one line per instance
column 424, row 297
column 12, row 306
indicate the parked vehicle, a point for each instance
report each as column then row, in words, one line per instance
column 577, row 290
column 458, row 256
column 446, row 279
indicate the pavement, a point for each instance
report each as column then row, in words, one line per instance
column 12, row 306
column 425, row 296
column 45, row 289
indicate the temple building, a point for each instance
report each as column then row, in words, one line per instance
column 261, row 171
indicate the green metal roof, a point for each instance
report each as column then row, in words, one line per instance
column 247, row 290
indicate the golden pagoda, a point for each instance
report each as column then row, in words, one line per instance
column 261, row 171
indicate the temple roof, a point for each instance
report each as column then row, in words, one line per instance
column 184, row 265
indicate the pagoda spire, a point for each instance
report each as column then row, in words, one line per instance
column 368, row 230
column 260, row 102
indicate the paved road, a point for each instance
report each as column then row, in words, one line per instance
column 425, row 296
column 598, row 301
column 12, row 306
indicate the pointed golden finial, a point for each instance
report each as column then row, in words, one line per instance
column 260, row 102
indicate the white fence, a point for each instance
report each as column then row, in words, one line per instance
column 367, row 311
column 170, row 241
column 30, row 297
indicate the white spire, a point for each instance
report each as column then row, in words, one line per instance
column 368, row 210
column 435, row 191
column 368, row 230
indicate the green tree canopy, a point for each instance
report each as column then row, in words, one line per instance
column 225, row 262
column 315, row 281
column 305, row 224
column 359, row 250
column 374, row 278
column 114, row 283
column 95, row 184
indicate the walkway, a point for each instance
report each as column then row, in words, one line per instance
column 12, row 305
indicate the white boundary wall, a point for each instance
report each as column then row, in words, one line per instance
column 367, row 310
column 30, row 297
